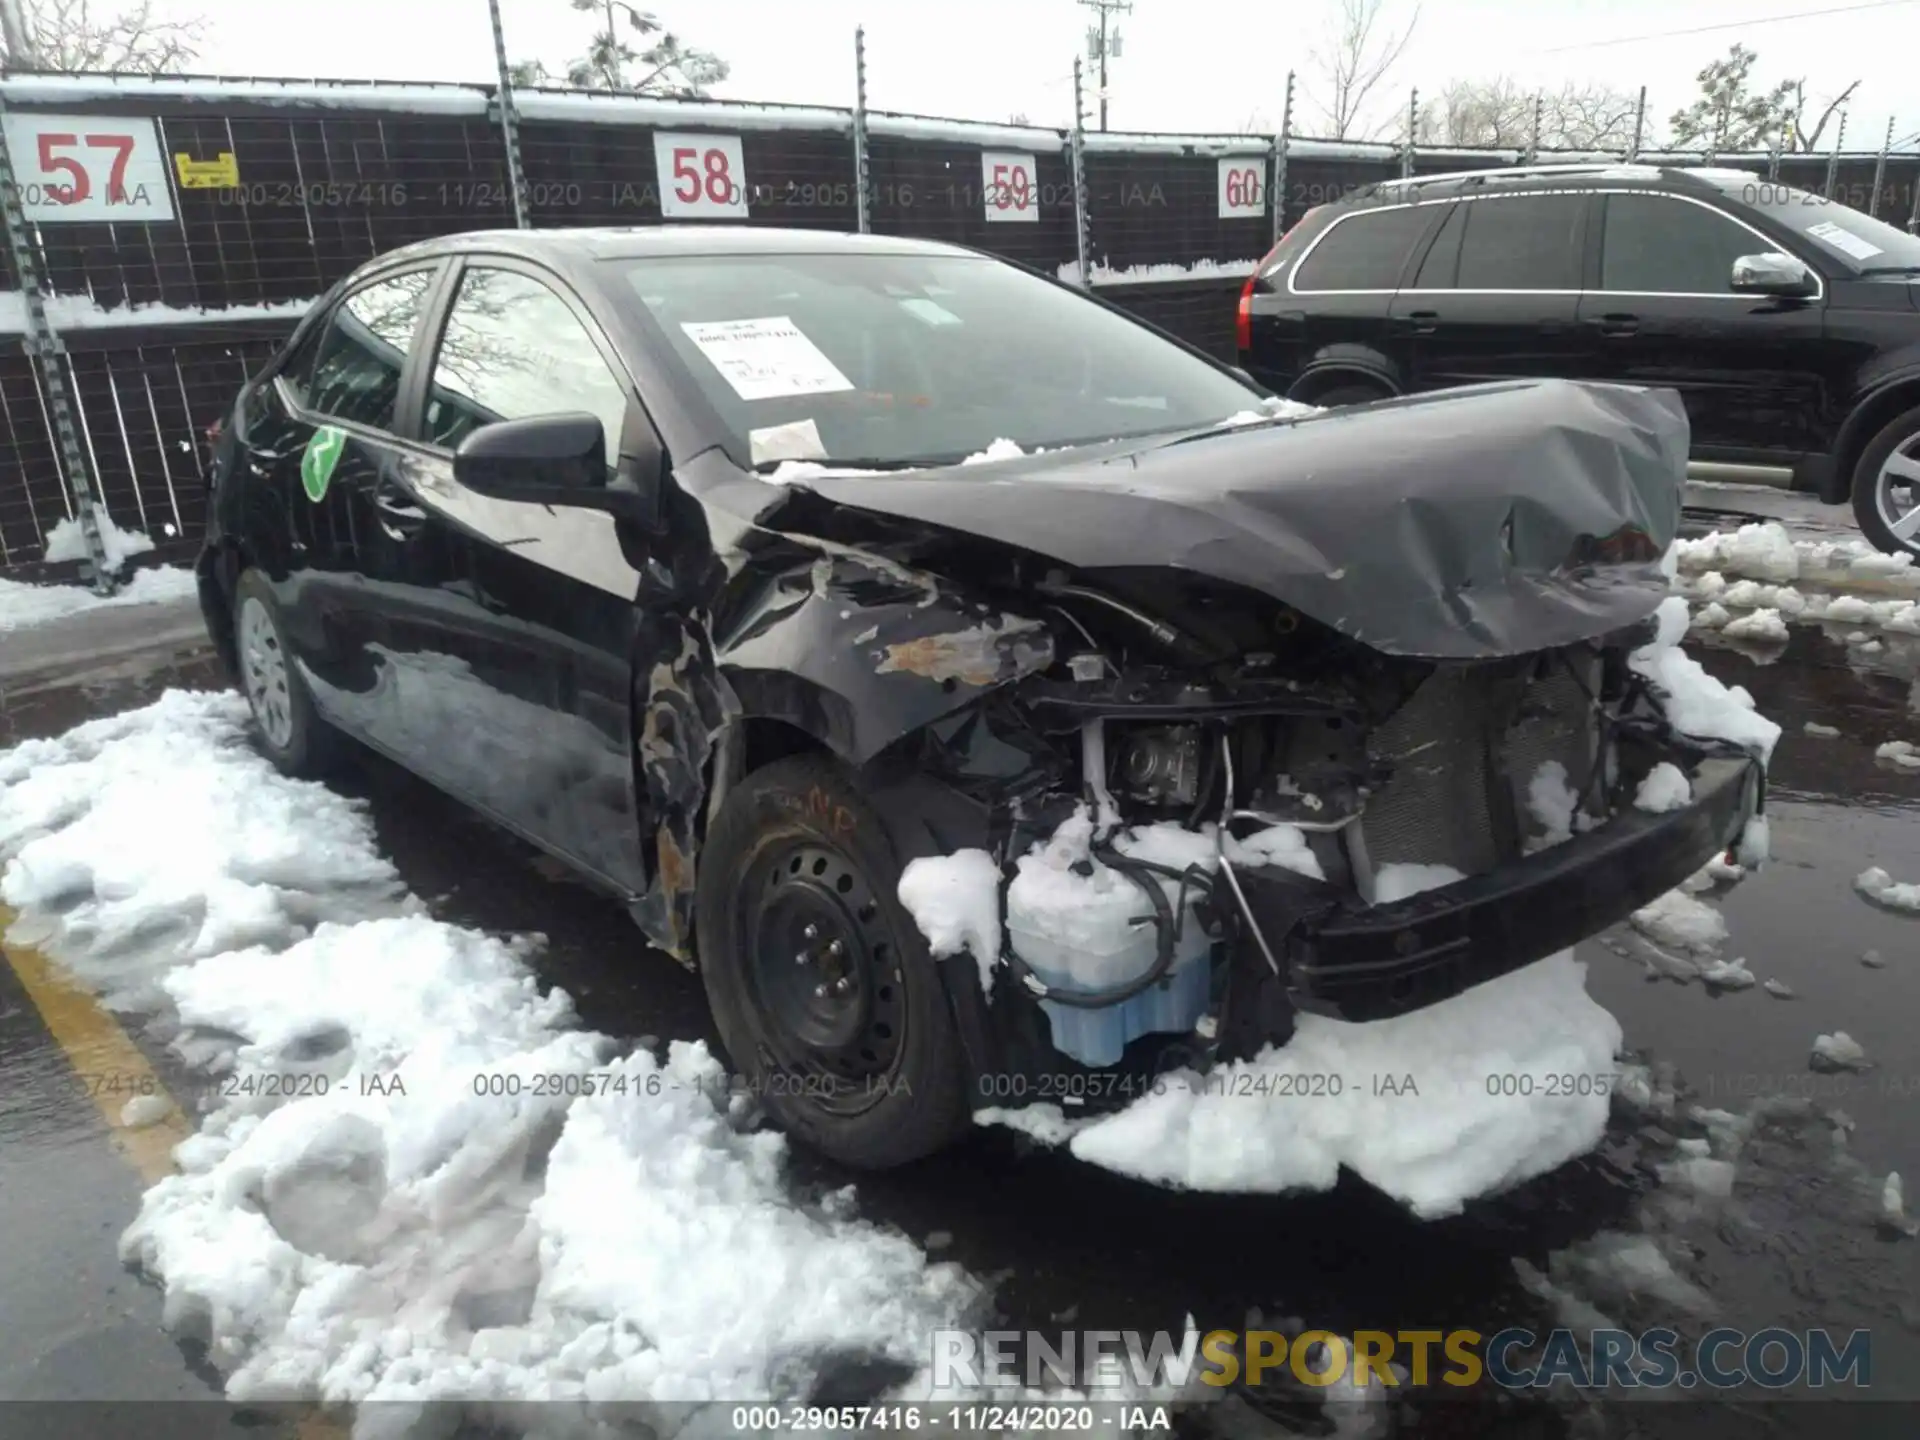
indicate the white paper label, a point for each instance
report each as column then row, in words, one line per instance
column 1012, row 192
column 767, row 358
column 929, row 312
column 1845, row 241
column 88, row 167
column 799, row 440
column 1243, row 186
column 702, row 177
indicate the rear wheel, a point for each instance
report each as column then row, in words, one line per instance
column 286, row 727
column 821, row 985
column 1886, row 486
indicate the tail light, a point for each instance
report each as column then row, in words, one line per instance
column 1243, row 324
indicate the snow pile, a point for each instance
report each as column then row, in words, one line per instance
column 1727, row 975
column 1680, row 922
column 1901, row 752
column 1001, row 449
column 1881, row 888
column 1665, row 788
column 22, row 605
column 1553, row 803
column 423, row 1225
column 1710, row 616
column 1838, row 1051
column 955, row 902
column 67, row 541
column 1752, row 595
column 1695, row 703
column 1404, row 1103
column 1402, row 882
column 1764, row 626
column 1764, row 551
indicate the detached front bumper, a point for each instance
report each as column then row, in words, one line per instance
column 1360, row 962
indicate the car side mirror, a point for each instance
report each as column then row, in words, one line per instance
column 1772, row 273
column 545, row 459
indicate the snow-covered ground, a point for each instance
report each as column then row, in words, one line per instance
column 22, row 605
column 1753, row 582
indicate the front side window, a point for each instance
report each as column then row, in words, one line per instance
column 1364, row 251
column 359, row 353
column 912, row 359
column 513, row 349
column 1653, row 244
column 1523, row 242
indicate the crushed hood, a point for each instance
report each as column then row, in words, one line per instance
column 1486, row 521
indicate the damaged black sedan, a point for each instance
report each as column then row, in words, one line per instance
column 753, row 573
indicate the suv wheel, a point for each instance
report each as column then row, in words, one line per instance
column 820, row 983
column 1886, row 487
column 1355, row 394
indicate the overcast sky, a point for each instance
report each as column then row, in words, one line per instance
column 1194, row 65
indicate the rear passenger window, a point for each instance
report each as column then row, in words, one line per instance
column 1443, row 257
column 1652, row 243
column 357, row 359
column 1523, row 242
column 1363, row 251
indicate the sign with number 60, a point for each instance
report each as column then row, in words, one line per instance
column 88, row 167
column 1243, row 186
column 702, row 177
column 1008, row 181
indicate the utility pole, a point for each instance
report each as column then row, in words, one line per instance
column 18, row 35
column 1101, row 43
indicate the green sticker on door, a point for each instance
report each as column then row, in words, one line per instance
column 316, row 464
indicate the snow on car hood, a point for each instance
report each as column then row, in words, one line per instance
column 1492, row 520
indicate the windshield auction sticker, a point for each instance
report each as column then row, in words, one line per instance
column 765, row 359
column 1844, row 241
column 317, row 462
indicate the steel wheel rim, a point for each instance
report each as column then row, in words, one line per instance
column 825, row 974
column 1900, row 474
column 263, row 669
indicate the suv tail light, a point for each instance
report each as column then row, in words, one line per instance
column 1243, row 323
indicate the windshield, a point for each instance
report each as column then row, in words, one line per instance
column 896, row 360
column 1851, row 237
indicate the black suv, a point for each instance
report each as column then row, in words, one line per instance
column 1789, row 324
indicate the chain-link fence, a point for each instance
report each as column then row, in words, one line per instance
column 177, row 227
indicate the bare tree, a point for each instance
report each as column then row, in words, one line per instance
column 1350, row 63
column 664, row 67
column 1499, row 113
column 1800, row 135
column 68, row 35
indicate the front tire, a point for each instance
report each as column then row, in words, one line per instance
column 1886, row 487
column 286, row 728
column 822, row 987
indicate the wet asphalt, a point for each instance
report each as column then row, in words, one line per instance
column 1068, row 1245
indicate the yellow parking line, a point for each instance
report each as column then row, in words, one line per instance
column 113, row 1071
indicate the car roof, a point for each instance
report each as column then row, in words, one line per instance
column 576, row 244
column 1697, row 180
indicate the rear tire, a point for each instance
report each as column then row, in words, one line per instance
column 1355, row 394
column 1886, row 486
column 822, row 987
column 286, row 728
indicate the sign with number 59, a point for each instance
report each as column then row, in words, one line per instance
column 1008, row 181
column 88, row 167
column 702, row 177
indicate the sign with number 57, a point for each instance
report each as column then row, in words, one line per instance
column 702, row 177
column 88, row 167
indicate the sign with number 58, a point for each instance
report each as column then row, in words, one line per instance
column 88, row 167
column 702, row 177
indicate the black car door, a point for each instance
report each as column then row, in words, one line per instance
column 323, row 438
column 1750, row 368
column 1496, row 296
column 514, row 649
column 1334, row 310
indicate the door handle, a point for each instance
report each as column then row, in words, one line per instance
column 401, row 517
column 1616, row 324
column 1419, row 322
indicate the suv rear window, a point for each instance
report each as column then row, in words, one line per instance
column 1523, row 242
column 1364, row 250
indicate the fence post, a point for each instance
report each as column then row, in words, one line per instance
column 1773, row 154
column 1880, row 171
column 44, row 345
column 1280, row 147
column 1533, row 141
column 1078, row 146
column 1413, row 127
column 1913, row 215
column 862, row 202
column 1639, row 126
column 1833, row 160
column 509, row 122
